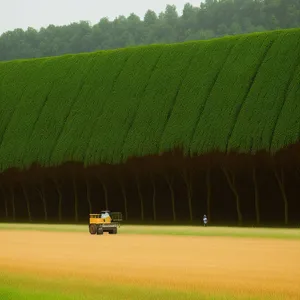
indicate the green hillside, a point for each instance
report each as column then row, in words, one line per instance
column 236, row 93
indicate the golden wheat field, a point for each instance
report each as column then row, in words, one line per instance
column 208, row 264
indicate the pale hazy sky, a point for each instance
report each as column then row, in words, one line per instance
column 41, row 13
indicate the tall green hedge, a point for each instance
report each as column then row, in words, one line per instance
column 237, row 93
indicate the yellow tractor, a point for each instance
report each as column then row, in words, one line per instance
column 106, row 221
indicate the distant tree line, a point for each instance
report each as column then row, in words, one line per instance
column 213, row 18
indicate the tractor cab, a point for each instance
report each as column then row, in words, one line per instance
column 114, row 216
column 104, row 214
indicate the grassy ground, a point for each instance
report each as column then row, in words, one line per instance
column 169, row 230
column 28, row 287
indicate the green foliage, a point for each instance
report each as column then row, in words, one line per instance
column 269, row 92
column 235, row 93
column 229, row 92
column 209, row 19
column 23, row 287
column 122, row 104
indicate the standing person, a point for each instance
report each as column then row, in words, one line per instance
column 204, row 220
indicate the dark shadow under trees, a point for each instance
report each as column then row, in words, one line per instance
column 230, row 189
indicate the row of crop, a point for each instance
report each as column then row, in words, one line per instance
column 14, row 76
column 194, row 93
column 29, row 109
column 156, row 103
column 121, row 106
column 256, row 124
column 287, row 127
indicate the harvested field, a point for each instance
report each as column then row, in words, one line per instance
column 249, row 266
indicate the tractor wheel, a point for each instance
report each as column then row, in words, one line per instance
column 99, row 230
column 113, row 231
column 93, row 229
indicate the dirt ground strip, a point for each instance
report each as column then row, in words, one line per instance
column 204, row 263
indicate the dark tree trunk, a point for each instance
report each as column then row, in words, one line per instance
column 153, row 198
column 57, row 186
column 105, row 195
column 231, row 181
column 43, row 198
column 170, row 182
column 27, row 203
column 208, row 195
column 12, row 195
column 140, row 197
column 188, row 184
column 125, row 199
column 280, row 180
column 5, row 202
column 88, row 195
column 256, row 196
column 75, row 200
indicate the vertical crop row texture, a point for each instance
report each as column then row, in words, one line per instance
column 238, row 93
